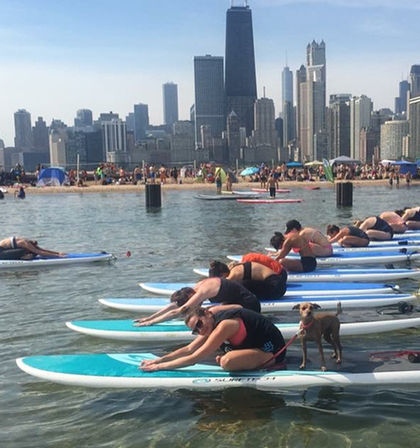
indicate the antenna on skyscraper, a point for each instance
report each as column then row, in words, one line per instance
column 286, row 58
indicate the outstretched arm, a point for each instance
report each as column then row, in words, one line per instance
column 287, row 247
column 341, row 234
column 154, row 315
column 169, row 312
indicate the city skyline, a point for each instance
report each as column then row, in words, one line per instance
column 57, row 62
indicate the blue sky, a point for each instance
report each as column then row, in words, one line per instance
column 60, row 56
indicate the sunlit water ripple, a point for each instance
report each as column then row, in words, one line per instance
column 165, row 246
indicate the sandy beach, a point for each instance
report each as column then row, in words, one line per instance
column 190, row 184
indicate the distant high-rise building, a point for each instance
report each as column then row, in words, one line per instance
column 414, row 123
column 264, row 128
column 300, row 79
column 415, row 81
column 114, row 139
column 312, row 105
column 40, row 136
column 58, row 141
column 338, row 125
column 402, row 99
column 170, row 103
column 23, row 130
column 83, row 118
column 141, row 121
column 240, row 77
column 233, row 136
column 129, row 120
column 392, row 135
column 209, row 107
column 287, row 105
column 360, row 117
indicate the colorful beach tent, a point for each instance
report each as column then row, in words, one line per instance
column 293, row 165
column 406, row 167
column 249, row 171
column 51, row 177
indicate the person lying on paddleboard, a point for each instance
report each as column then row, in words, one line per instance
column 17, row 248
column 397, row 224
column 250, row 341
column 318, row 242
column 348, row 236
column 411, row 216
column 216, row 290
column 375, row 228
column 256, row 277
column 294, row 241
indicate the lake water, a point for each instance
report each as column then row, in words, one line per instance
column 165, row 246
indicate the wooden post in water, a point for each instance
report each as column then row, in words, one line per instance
column 153, row 196
column 344, row 194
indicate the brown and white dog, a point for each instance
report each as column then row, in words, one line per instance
column 314, row 326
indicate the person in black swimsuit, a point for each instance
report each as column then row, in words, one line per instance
column 349, row 236
column 257, row 278
column 252, row 340
column 376, row 228
column 216, row 290
column 18, row 248
column 411, row 216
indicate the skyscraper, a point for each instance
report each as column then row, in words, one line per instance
column 360, row 117
column 23, row 130
column 402, row 98
column 141, row 121
column 287, row 105
column 40, row 136
column 414, row 121
column 83, row 118
column 240, row 78
column 312, row 104
column 170, row 102
column 392, row 134
column 415, row 81
column 264, row 129
column 209, row 108
column 338, row 125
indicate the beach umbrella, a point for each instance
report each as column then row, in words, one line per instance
column 222, row 172
column 293, row 164
column 249, row 171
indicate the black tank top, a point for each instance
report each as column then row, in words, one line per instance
column 355, row 231
column 232, row 292
column 382, row 226
column 260, row 332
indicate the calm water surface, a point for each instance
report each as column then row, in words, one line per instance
column 165, row 246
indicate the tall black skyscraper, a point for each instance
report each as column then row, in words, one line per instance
column 240, row 79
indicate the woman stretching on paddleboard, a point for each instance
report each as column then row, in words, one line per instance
column 216, row 290
column 250, row 340
column 261, row 280
column 17, row 248
column 376, row 228
column 348, row 236
column 411, row 216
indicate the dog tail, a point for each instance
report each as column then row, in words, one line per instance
column 339, row 309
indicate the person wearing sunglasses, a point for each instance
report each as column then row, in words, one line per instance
column 250, row 341
column 216, row 290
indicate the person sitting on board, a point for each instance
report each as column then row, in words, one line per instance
column 411, row 216
column 294, row 241
column 396, row 222
column 250, row 341
column 216, row 290
column 318, row 242
column 256, row 277
column 17, row 248
column 375, row 228
column 348, row 236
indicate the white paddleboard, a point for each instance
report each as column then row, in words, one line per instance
column 177, row 331
column 121, row 370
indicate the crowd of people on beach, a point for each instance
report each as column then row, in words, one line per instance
column 234, row 323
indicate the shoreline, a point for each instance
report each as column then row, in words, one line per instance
column 91, row 187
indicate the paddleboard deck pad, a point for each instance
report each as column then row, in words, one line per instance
column 268, row 201
column 151, row 305
column 177, row 331
column 121, row 370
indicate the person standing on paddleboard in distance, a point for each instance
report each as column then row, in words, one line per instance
column 318, row 242
column 250, row 340
column 294, row 241
column 216, row 290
